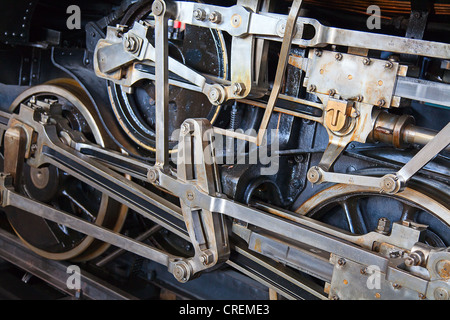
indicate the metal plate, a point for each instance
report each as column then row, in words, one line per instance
column 351, row 76
column 352, row 280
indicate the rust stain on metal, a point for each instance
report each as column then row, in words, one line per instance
column 257, row 245
column 444, row 269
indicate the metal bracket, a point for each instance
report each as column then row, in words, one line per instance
column 196, row 166
column 390, row 183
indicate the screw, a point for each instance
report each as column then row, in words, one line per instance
column 318, row 52
column 131, row 44
column 338, row 56
column 238, row 88
column 364, row 270
column 396, row 286
column 331, row 92
column 366, row 61
column 359, row 98
column 215, row 17
column 199, row 14
column 383, row 226
column 186, row 128
column 312, row 88
column 381, row 102
column 206, row 258
column 341, row 262
column 388, row 65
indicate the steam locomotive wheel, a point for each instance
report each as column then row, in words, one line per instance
column 56, row 188
column 357, row 209
column 201, row 49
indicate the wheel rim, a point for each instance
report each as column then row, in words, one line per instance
column 346, row 207
column 62, row 191
column 135, row 112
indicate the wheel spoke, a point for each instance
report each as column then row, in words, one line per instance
column 78, row 204
column 353, row 215
column 409, row 212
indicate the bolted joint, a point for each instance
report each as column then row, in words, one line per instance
column 367, row 61
column 384, row 225
column 217, row 95
column 341, row 262
column 131, row 44
column 238, row 88
column 199, row 14
column 314, row 175
column 388, row 65
column 391, row 184
column 187, row 128
column 415, row 259
column 158, row 7
column 182, row 271
column 215, row 17
column 206, row 258
column 153, row 175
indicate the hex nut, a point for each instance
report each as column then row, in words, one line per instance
column 199, row 14
column 383, row 226
column 215, row 17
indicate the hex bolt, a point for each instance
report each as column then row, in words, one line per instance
column 383, row 226
column 331, row 92
column 199, row 14
column 131, row 44
column 364, row 270
column 338, row 56
column 186, row 128
column 396, row 286
column 388, row 65
column 238, row 88
column 312, row 88
column 366, row 61
column 381, row 102
column 318, row 52
column 215, row 17
column 206, row 258
column 341, row 262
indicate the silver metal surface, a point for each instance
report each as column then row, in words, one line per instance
column 351, row 78
column 161, row 84
column 55, row 272
column 423, row 90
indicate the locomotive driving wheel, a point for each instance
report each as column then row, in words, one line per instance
column 201, row 49
column 357, row 209
column 56, row 188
